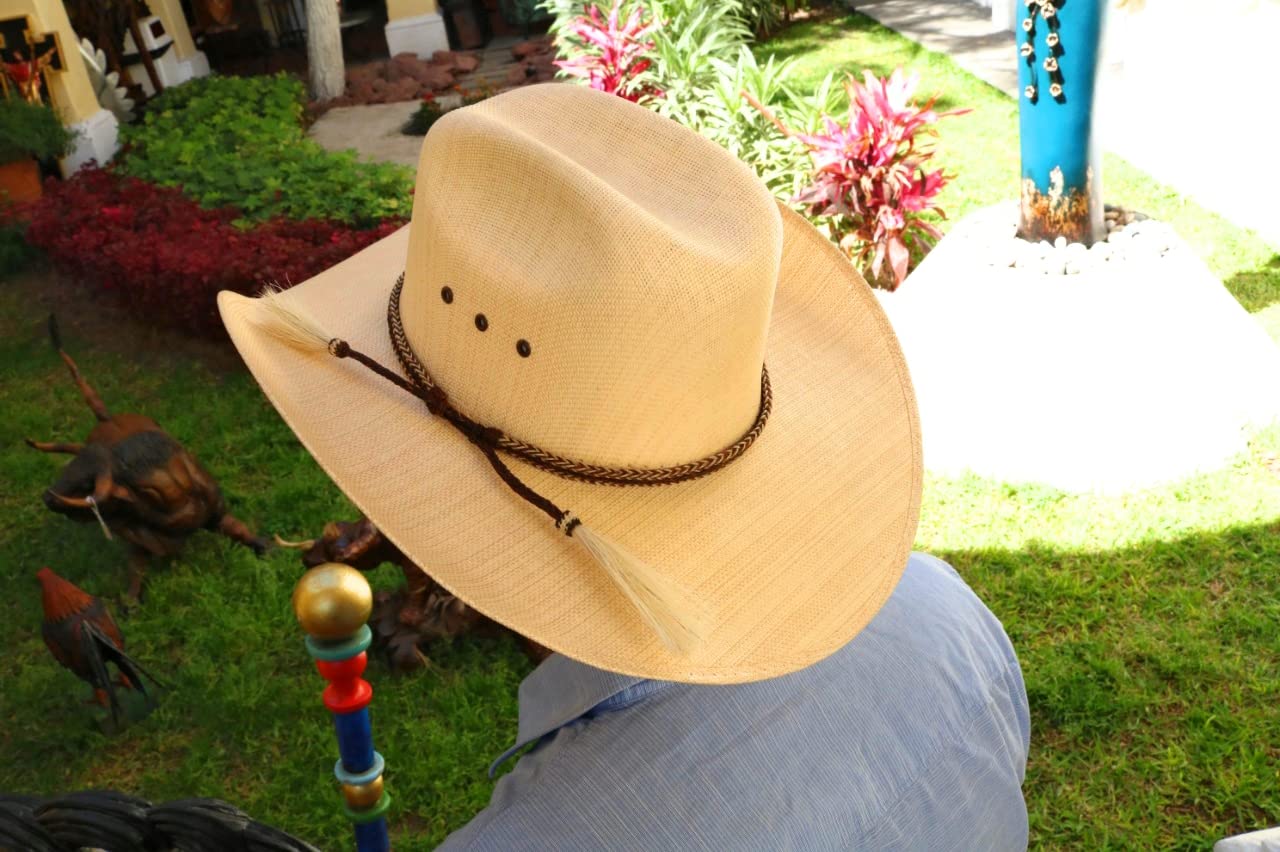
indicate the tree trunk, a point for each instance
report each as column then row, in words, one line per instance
column 1059, row 43
column 324, row 50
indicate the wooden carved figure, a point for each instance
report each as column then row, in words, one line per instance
column 405, row 620
column 138, row 483
column 83, row 637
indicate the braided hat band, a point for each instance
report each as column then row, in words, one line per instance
column 559, row 465
column 678, row 618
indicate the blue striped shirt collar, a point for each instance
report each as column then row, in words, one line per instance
column 558, row 691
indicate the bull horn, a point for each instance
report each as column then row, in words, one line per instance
column 295, row 545
column 67, row 502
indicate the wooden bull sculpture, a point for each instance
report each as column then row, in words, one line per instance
column 403, row 621
column 138, row 483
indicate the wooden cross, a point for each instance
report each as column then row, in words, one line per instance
column 27, row 57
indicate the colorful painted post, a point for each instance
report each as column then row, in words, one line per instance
column 1059, row 44
column 333, row 603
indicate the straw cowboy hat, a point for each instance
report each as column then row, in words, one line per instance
column 610, row 393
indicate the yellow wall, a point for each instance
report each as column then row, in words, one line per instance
column 175, row 24
column 397, row 9
column 69, row 89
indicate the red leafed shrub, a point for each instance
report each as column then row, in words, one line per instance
column 869, row 176
column 165, row 258
column 612, row 55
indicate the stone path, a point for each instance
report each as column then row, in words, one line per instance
column 1183, row 93
column 373, row 130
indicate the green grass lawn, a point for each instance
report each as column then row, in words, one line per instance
column 1146, row 624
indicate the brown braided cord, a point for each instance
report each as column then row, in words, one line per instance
column 559, row 465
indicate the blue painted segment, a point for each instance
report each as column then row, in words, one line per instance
column 346, row 776
column 372, row 837
column 355, row 739
column 343, row 649
column 1059, row 131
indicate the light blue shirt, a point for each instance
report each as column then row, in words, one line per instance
column 912, row 736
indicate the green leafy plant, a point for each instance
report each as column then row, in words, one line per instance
column 725, row 114
column 31, row 131
column 701, row 72
column 767, row 16
column 165, row 257
column 871, row 179
column 427, row 114
column 239, row 142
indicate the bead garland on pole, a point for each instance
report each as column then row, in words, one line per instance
column 332, row 603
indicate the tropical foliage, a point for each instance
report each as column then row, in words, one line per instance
column 618, row 55
column 766, row 16
column 166, row 258
column 239, row 141
column 869, row 181
column 30, row 130
column 864, row 177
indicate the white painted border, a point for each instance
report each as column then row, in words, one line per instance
column 422, row 35
column 97, row 138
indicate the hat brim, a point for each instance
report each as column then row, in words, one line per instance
column 793, row 548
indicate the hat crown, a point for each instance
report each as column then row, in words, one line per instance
column 590, row 277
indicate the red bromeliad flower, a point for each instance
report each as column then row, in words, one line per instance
column 612, row 57
column 869, row 176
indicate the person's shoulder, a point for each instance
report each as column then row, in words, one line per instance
column 933, row 607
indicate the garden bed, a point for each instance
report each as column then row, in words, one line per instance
column 217, row 188
column 1144, row 623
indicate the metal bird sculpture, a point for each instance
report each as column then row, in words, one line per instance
column 138, row 483
column 105, row 819
column 408, row 619
column 83, row 637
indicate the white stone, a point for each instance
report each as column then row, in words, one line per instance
column 97, row 138
column 1266, row 840
column 1087, row 382
column 171, row 70
column 195, row 65
column 421, row 34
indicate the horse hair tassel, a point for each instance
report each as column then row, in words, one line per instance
column 669, row 610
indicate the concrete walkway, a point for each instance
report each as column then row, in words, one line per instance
column 1183, row 95
column 373, row 130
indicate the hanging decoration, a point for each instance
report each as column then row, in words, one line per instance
column 1053, row 47
column 26, row 59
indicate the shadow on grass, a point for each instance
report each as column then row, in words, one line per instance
column 1151, row 674
column 1257, row 288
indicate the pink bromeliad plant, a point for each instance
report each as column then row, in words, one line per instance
column 870, row 179
column 613, row 55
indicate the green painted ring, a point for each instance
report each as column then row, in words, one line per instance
column 343, row 649
column 376, row 812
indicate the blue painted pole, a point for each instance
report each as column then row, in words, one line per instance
column 1059, row 42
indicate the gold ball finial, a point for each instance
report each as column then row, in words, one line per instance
column 332, row 601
